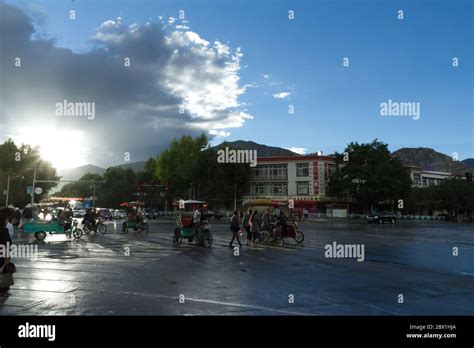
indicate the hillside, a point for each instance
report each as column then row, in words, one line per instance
column 262, row 150
column 135, row 166
column 469, row 162
column 429, row 159
column 77, row 173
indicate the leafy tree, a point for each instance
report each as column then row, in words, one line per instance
column 117, row 187
column 190, row 166
column 370, row 175
column 178, row 163
column 20, row 161
column 81, row 188
column 221, row 183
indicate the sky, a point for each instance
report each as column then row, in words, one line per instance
column 233, row 69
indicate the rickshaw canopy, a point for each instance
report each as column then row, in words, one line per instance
column 132, row 204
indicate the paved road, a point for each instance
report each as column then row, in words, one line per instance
column 93, row 276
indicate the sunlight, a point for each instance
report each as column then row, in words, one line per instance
column 63, row 148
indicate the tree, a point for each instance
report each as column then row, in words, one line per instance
column 20, row 161
column 117, row 187
column 177, row 164
column 191, row 169
column 81, row 188
column 221, row 183
column 370, row 175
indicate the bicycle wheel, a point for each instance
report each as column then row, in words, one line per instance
column 77, row 233
column 102, row 228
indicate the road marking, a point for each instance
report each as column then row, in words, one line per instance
column 230, row 304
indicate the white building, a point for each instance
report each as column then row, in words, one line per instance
column 425, row 178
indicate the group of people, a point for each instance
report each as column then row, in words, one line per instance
column 134, row 213
column 253, row 224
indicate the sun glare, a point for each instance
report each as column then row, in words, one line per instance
column 63, row 148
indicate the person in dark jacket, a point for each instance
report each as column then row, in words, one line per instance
column 235, row 228
column 5, row 238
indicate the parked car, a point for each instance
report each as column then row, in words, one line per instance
column 212, row 214
column 151, row 213
column 382, row 217
column 119, row 214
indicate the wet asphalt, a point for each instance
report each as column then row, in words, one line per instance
column 95, row 275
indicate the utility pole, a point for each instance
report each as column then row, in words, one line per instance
column 93, row 200
column 235, row 195
column 10, row 178
column 33, row 188
column 8, row 192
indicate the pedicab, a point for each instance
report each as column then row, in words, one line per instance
column 40, row 228
column 282, row 225
column 184, row 224
column 134, row 219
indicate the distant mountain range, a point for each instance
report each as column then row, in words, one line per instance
column 426, row 158
column 262, row 150
column 469, row 162
column 429, row 159
column 77, row 173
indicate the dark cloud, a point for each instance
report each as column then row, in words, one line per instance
column 137, row 107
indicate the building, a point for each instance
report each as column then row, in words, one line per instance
column 303, row 179
column 425, row 178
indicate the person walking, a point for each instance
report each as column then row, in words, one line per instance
column 6, row 280
column 197, row 221
column 235, row 228
column 246, row 226
column 256, row 223
column 306, row 214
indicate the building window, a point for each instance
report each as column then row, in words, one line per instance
column 417, row 178
column 302, row 188
column 302, row 169
column 259, row 189
column 270, row 172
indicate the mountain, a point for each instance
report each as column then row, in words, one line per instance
column 77, row 173
column 429, row 159
column 469, row 162
column 136, row 166
column 262, row 150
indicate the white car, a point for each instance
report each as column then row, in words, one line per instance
column 119, row 214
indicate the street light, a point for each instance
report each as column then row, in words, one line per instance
column 8, row 186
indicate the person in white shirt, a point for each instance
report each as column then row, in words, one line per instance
column 10, row 230
column 197, row 216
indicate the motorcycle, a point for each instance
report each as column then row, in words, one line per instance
column 99, row 227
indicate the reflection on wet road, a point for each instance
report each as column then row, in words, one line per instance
column 94, row 275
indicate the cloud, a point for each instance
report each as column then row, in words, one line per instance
column 177, row 83
column 281, row 95
column 266, row 76
column 299, row 150
column 221, row 134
